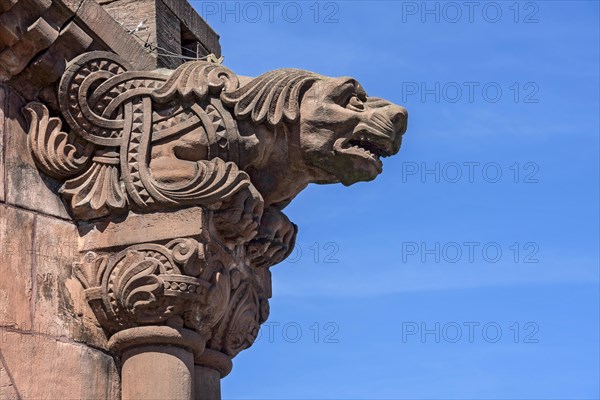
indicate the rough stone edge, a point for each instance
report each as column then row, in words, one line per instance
column 3, row 106
column 105, row 29
column 192, row 19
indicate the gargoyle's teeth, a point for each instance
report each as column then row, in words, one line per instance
column 370, row 149
column 364, row 150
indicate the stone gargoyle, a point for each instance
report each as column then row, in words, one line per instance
column 203, row 136
column 238, row 149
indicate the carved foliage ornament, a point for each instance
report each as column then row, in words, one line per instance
column 183, row 283
column 115, row 117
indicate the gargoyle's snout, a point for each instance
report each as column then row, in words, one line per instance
column 389, row 119
column 399, row 117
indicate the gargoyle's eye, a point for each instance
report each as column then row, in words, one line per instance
column 355, row 103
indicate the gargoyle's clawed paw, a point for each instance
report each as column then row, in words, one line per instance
column 238, row 218
column 275, row 239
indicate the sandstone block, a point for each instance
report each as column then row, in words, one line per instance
column 2, row 134
column 25, row 186
column 16, row 285
column 60, row 306
column 141, row 228
column 38, row 367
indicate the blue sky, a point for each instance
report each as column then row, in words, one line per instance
column 516, row 251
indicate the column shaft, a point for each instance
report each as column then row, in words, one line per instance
column 207, row 383
column 157, row 372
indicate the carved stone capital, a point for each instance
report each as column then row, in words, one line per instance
column 183, row 279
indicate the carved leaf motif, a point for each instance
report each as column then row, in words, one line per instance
column 239, row 326
column 142, row 289
column 244, row 324
column 168, row 142
column 54, row 150
column 238, row 218
column 186, row 253
column 138, row 287
column 97, row 192
column 115, row 110
column 203, row 316
column 215, row 181
column 90, row 270
column 143, row 284
column 197, row 78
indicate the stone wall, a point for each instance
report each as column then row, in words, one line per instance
column 153, row 21
column 50, row 345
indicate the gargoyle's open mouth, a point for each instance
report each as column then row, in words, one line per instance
column 369, row 145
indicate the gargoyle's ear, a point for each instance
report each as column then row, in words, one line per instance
column 272, row 97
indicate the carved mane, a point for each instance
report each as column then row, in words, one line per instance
column 273, row 97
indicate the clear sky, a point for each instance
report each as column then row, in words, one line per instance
column 470, row 267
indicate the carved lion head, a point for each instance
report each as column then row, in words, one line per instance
column 342, row 133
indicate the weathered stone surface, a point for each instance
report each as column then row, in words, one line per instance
column 7, row 389
column 38, row 367
column 108, row 31
column 38, row 290
column 27, row 29
column 49, row 66
column 141, row 228
column 60, row 308
column 14, row 22
column 6, row 5
column 40, row 35
column 197, row 27
column 16, row 260
column 37, row 39
column 25, row 186
column 3, row 103
column 169, row 37
column 161, row 29
column 130, row 13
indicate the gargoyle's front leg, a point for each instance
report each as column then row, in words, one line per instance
column 275, row 239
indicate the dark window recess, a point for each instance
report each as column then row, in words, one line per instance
column 190, row 45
